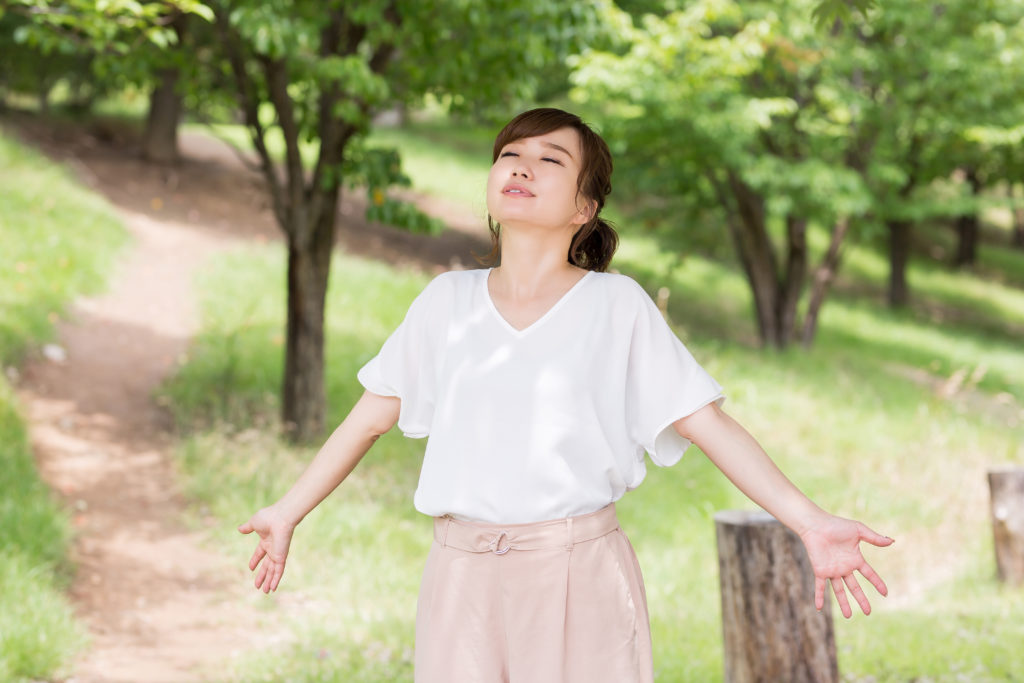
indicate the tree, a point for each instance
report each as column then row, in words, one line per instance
column 164, row 66
column 727, row 108
column 917, row 79
column 317, row 72
column 113, row 44
column 747, row 114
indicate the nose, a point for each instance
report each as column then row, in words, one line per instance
column 521, row 172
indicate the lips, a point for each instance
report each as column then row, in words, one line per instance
column 516, row 190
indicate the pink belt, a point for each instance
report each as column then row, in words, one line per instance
column 478, row 537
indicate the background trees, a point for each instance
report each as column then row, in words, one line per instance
column 780, row 129
column 748, row 116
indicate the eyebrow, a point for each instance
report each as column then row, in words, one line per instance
column 558, row 147
column 548, row 144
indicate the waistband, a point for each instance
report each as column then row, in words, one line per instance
column 478, row 537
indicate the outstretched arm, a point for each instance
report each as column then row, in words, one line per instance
column 833, row 543
column 371, row 417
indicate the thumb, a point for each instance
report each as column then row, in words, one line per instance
column 873, row 537
column 245, row 528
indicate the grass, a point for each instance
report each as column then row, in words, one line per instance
column 56, row 241
column 858, row 436
column 873, row 423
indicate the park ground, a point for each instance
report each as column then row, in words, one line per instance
column 151, row 418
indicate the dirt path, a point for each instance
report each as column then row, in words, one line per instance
column 159, row 604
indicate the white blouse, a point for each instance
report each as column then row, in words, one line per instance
column 545, row 422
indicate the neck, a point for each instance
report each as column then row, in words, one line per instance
column 532, row 261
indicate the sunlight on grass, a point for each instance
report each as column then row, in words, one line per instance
column 56, row 240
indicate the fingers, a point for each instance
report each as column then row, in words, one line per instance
column 874, row 578
column 269, row 576
column 257, row 555
column 851, row 582
column 853, row 586
column 261, row 575
column 840, row 593
column 270, row 572
column 278, row 573
column 873, row 537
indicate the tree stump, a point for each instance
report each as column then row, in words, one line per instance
column 771, row 629
column 1006, row 487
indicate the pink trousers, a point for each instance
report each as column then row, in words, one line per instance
column 552, row 602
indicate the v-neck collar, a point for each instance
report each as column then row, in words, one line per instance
column 536, row 323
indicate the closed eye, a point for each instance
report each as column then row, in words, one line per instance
column 514, row 154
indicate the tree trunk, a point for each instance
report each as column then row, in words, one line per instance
column 309, row 265
column 899, row 254
column 823, row 276
column 43, row 95
column 793, row 283
column 771, row 630
column 1018, row 225
column 303, row 391
column 1006, row 487
column 758, row 258
column 967, row 228
column 160, row 140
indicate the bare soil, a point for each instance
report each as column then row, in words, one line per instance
column 159, row 603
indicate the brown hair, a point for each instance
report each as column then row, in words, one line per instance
column 595, row 241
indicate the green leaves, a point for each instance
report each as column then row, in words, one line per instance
column 828, row 13
column 376, row 169
column 100, row 26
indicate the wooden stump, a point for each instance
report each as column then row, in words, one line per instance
column 1006, row 487
column 771, row 629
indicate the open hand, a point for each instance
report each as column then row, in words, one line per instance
column 275, row 537
column 833, row 546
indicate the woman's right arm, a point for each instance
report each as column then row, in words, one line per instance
column 371, row 417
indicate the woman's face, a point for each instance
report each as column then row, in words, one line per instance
column 533, row 182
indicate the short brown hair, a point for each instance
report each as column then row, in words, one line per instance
column 595, row 241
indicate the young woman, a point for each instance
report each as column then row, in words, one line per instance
column 542, row 382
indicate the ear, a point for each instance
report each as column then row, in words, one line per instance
column 585, row 213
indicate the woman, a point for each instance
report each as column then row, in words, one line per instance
column 542, row 382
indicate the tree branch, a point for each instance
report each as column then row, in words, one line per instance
column 250, row 109
column 823, row 276
column 340, row 37
column 276, row 72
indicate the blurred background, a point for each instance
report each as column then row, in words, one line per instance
column 825, row 197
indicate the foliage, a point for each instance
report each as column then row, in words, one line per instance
column 750, row 117
column 391, row 55
column 116, row 43
column 116, row 29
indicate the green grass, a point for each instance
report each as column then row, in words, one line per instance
column 56, row 241
column 863, row 423
column 55, row 238
column 355, row 623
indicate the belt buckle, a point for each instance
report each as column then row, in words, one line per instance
column 496, row 544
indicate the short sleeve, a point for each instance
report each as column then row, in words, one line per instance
column 663, row 384
column 407, row 363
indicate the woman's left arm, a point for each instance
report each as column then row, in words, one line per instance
column 833, row 543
